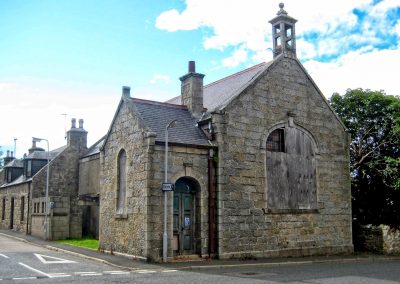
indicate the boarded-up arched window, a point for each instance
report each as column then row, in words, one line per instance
column 121, row 190
column 291, row 170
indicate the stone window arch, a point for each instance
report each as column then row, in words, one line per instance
column 121, row 184
column 291, row 168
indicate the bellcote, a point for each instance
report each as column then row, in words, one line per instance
column 283, row 33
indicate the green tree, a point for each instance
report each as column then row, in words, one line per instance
column 373, row 120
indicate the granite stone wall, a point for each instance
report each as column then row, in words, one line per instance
column 139, row 232
column 126, row 233
column 183, row 162
column 63, row 185
column 20, row 214
column 246, row 227
column 380, row 239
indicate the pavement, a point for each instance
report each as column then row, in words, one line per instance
column 124, row 262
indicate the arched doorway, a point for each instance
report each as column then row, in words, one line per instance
column 185, row 216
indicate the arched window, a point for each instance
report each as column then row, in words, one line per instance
column 121, row 190
column 291, row 169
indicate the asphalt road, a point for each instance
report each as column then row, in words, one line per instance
column 366, row 271
column 21, row 262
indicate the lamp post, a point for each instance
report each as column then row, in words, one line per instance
column 35, row 139
column 165, row 235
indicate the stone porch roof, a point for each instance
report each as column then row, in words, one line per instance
column 156, row 116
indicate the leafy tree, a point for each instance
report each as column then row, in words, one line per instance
column 373, row 120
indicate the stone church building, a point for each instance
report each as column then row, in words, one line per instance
column 259, row 162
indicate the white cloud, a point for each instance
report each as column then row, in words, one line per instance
column 159, row 78
column 305, row 49
column 382, row 7
column 397, row 28
column 375, row 70
column 6, row 87
column 40, row 109
column 244, row 23
column 239, row 56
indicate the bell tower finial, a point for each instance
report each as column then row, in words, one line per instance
column 283, row 33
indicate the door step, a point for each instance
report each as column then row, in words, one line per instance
column 189, row 257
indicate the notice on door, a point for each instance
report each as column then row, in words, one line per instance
column 187, row 221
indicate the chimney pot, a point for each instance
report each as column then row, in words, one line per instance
column 81, row 123
column 126, row 91
column 12, row 154
column 192, row 67
column 8, row 153
column 73, row 123
column 33, row 144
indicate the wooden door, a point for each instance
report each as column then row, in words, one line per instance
column 184, row 221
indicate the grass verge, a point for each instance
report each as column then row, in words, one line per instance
column 85, row 242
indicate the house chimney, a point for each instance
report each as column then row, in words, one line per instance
column 77, row 137
column 34, row 148
column 126, row 92
column 192, row 90
column 81, row 123
column 8, row 158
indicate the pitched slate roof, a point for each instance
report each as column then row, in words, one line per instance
column 95, row 148
column 16, row 163
column 43, row 154
column 156, row 116
column 218, row 94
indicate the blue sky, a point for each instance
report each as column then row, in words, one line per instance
column 74, row 56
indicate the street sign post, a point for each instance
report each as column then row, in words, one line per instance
column 167, row 186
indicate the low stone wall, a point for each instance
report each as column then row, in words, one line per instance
column 381, row 239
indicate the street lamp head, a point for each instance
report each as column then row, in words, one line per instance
column 35, row 139
column 172, row 124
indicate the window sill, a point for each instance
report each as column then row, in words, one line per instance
column 121, row 216
column 289, row 211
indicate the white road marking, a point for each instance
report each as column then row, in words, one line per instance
column 3, row 255
column 145, row 271
column 58, row 275
column 169, row 270
column 116, row 272
column 52, row 259
column 88, row 273
column 34, row 269
column 23, row 278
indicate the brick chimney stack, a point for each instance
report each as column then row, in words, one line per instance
column 9, row 157
column 126, row 92
column 192, row 90
column 77, row 137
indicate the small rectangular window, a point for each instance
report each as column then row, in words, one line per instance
column 29, row 169
column 42, row 207
column 3, row 210
column 9, row 175
column 22, row 207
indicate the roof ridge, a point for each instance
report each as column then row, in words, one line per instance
column 158, row 103
column 236, row 74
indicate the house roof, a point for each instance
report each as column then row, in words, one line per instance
column 42, row 155
column 16, row 163
column 95, row 148
column 156, row 116
column 218, row 94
